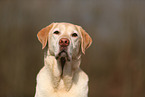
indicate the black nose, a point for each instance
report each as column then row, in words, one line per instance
column 63, row 42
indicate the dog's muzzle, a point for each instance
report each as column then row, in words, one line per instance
column 63, row 46
column 63, row 54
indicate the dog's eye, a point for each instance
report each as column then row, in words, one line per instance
column 74, row 35
column 56, row 32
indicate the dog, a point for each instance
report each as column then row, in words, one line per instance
column 61, row 75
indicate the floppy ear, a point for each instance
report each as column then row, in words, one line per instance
column 86, row 40
column 43, row 35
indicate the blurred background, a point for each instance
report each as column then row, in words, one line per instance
column 115, row 62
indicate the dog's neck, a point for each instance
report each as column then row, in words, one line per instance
column 57, row 73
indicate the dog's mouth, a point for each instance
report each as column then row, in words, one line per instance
column 62, row 57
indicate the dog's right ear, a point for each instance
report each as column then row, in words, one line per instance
column 43, row 35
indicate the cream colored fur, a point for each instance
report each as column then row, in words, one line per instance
column 72, row 81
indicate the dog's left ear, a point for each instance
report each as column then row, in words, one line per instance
column 86, row 40
column 43, row 35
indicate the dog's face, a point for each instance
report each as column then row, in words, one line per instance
column 64, row 40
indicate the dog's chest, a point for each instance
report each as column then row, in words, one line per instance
column 45, row 88
column 61, row 85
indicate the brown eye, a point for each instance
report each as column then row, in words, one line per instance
column 74, row 35
column 56, row 32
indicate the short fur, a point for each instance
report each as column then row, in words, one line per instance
column 69, row 81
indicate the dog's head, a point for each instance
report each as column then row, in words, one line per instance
column 64, row 40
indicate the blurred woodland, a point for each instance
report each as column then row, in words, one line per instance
column 115, row 62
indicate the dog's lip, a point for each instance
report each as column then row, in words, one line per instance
column 64, row 54
column 63, row 48
column 62, row 57
column 62, row 60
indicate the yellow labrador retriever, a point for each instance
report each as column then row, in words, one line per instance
column 61, row 75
